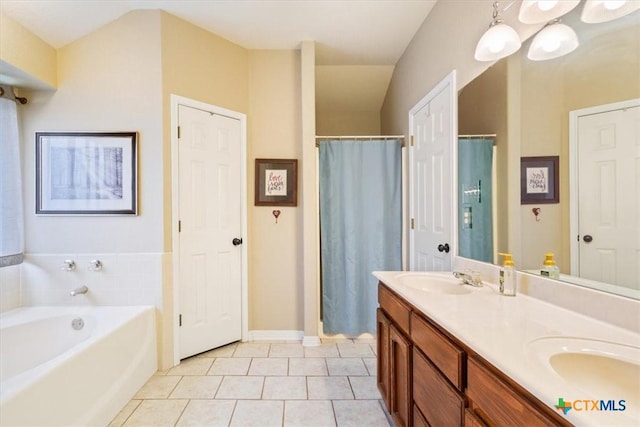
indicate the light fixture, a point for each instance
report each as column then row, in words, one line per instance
column 539, row 11
column 554, row 40
column 498, row 41
column 596, row 11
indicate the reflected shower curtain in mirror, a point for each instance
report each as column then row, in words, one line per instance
column 360, row 228
column 475, row 223
column 11, row 219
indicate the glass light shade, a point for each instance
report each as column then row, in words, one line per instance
column 539, row 11
column 596, row 11
column 553, row 41
column 498, row 41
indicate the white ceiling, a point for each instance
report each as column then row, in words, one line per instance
column 357, row 41
column 347, row 32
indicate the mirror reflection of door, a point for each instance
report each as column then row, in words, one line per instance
column 607, row 148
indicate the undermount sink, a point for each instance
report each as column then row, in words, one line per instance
column 434, row 282
column 600, row 368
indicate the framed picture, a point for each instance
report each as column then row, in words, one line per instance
column 276, row 182
column 86, row 173
column 539, row 180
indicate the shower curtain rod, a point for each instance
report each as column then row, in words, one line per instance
column 19, row 99
column 320, row 139
column 487, row 136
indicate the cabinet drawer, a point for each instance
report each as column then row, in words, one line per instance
column 440, row 403
column 501, row 403
column 397, row 310
column 446, row 355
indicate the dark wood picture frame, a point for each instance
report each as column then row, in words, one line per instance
column 86, row 173
column 276, row 182
column 539, row 182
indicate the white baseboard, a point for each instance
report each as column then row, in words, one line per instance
column 275, row 335
column 311, row 341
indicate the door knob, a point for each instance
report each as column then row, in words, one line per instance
column 443, row 248
column 587, row 238
column 236, row 241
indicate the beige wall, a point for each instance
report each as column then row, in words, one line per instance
column 275, row 251
column 107, row 81
column 28, row 57
column 438, row 47
column 332, row 123
column 202, row 66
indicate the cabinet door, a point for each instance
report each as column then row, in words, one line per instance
column 471, row 420
column 441, row 404
column 383, row 373
column 400, row 384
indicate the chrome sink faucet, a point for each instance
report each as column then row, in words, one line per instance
column 77, row 291
column 468, row 279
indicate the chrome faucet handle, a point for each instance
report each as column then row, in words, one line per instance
column 462, row 276
column 476, row 280
column 95, row 265
column 68, row 265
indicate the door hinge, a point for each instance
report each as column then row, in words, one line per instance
column 413, row 223
column 179, row 226
column 179, row 319
column 412, row 140
column 178, row 132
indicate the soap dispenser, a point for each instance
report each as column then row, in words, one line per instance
column 549, row 268
column 507, row 276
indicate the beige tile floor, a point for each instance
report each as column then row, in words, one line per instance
column 264, row 384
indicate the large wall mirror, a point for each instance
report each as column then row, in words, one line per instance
column 524, row 107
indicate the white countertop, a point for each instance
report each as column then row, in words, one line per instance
column 500, row 328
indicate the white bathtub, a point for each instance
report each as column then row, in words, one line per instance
column 54, row 375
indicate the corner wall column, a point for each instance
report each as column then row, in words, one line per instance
column 309, row 195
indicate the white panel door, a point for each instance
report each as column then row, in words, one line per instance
column 608, row 194
column 210, row 219
column 431, row 183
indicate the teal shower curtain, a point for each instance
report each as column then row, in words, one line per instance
column 360, row 228
column 475, row 223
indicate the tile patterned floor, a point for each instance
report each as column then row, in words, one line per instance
column 264, row 384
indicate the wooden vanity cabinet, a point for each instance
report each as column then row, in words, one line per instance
column 394, row 356
column 441, row 404
column 428, row 378
column 382, row 352
column 497, row 403
column 400, row 401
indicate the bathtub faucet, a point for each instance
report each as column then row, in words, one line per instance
column 81, row 290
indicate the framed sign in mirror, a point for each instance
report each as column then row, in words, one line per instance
column 276, row 182
column 86, row 173
column 539, row 180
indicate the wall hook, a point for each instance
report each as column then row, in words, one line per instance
column 536, row 212
column 276, row 213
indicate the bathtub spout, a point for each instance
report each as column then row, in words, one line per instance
column 81, row 290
